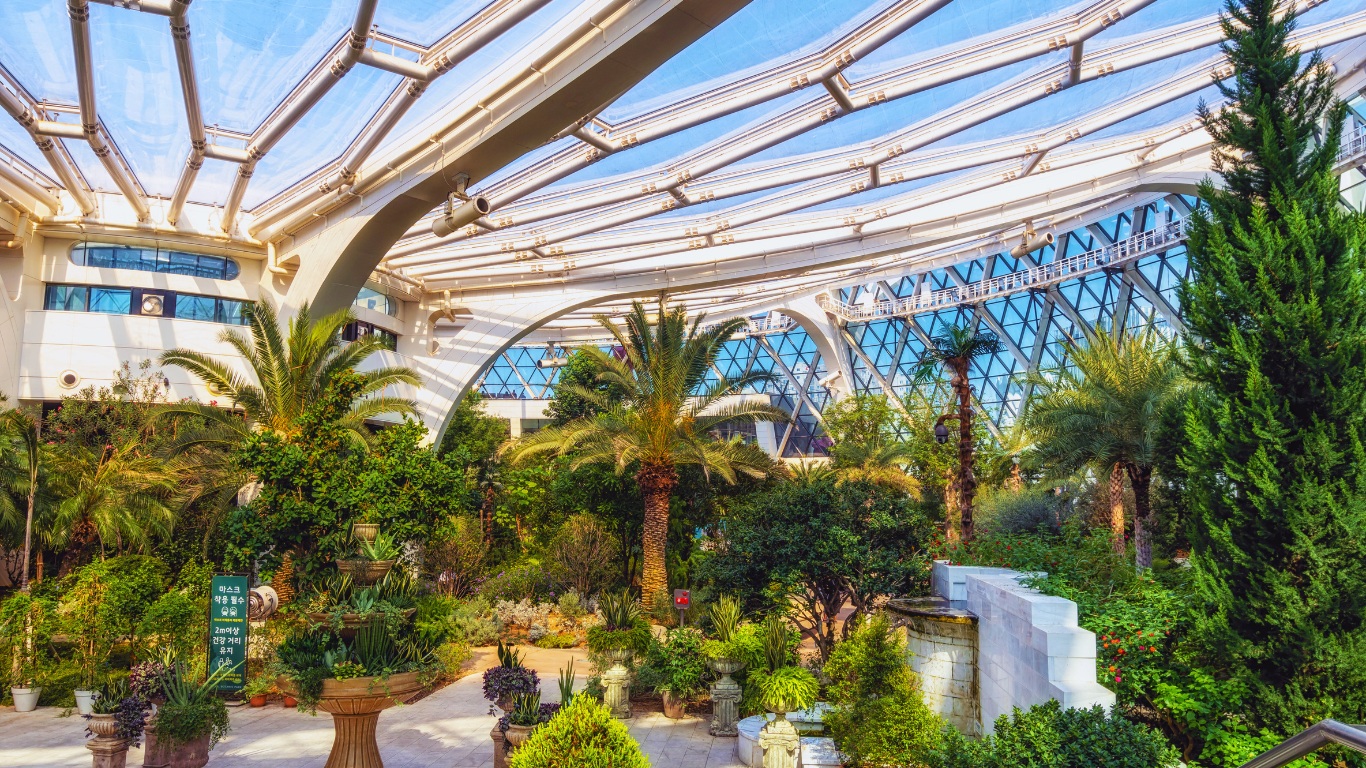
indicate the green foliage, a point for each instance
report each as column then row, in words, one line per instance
column 815, row 546
column 745, row 645
column 455, row 557
column 870, row 664
column 580, row 372
column 635, row 637
column 619, row 610
column 176, row 621
column 867, row 445
column 382, row 548
column 27, row 623
column 678, row 663
column 192, row 709
column 556, row 640
column 1022, row 511
column 582, row 734
column 1276, row 452
column 894, row 730
column 566, row 684
column 787, row 689
column 726, row 615
column 508, row 656
column 570, row 605
column 526, row 709
column 105, row 603
column 584, row 554
column 526, row 581
column 1048, row 736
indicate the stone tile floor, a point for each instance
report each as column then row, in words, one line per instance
column 448, row 729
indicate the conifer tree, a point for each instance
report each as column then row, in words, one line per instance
column 1277, row 323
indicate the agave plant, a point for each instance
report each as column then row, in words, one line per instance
column 619, row 611
column 725, row 617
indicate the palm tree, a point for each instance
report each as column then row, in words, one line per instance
column 23, row 430
column 116, row 496
column 292, row 369
column 879, row 463
column 1108, row 412
column 955, row 349
column 658, row 417
column 866, row 444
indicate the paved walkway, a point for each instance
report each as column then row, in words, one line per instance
column 448, row 729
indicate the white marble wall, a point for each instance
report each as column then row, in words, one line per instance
column 943, row 653
column 1029, row 647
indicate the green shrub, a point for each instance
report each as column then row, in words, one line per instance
column 871, row 663
column 556, row 640
column 895, row 730
column 582, row 735
column 1048, row 736
column 787, row 689
column 678, row 663
column 1023, row 511
column 570, row 605
column 527, row 581
column 176, row 621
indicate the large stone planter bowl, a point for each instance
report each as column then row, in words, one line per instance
column 351, row 622
column 517, row 735
column 365, row 572
column 726, row 667
column 355, row 705
column 103, row 726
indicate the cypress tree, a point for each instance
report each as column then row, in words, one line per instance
column 1277, row 324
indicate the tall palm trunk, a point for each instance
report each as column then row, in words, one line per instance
column 657, row 483
column 83, row 535
column 1117, row 507
column 967, row 481
column 28, row 529
column 1141, row 478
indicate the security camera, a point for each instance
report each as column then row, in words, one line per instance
column 457, row 216
column 829, row 378
column 1031, row 242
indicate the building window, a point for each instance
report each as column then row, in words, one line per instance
column 129, row 301
column 374, row 300
column 153, row 259
column 359, row 329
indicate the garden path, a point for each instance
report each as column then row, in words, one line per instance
column 448, row 729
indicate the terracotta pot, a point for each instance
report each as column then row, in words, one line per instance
column 365, row 531
column 290, row 701
column 365, row 572
column 103, row 726
column 506, row 704
column 164, row 753
column 259, row 700
column 517, row 734
column 355, row 705
column 675, row 707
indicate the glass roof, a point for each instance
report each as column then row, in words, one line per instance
column 777, row 116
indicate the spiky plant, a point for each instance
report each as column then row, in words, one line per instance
column 1108, row 411
column 662, row 418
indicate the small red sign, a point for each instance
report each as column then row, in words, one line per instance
column 682, row 598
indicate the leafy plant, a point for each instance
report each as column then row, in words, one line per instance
column 582, row 735
column 868, row 665
column 192, row 710
column 1048, row 735
column 678, row 663
column 508, row 656
column 129, row 710
column 777, row 643
column 382, row 548
column 555, row 640
column 503, row 683
column 726, row 614
column 787, row 689
column 526, row 709
column 567, row 684
column 348, row 670
column 619, row 610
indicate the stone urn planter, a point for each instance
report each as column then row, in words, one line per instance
column 106, row 750
column 675, row 707
column 617, row 681
column 365, row 532
column 516, row 735
column 725, row 698
column 780, row 742
column 365, row 572
column 355, row 705
column 351, row 622
column 26, row 699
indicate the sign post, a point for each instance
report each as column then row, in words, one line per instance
column 228, row 629
column 682, row 599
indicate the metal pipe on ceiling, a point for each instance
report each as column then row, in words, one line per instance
column 66, row 172
column 79, row 13
column 31, row 187
column 194, row 117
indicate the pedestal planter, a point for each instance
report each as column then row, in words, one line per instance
column 355, row 705
column 25, row 699
column 365, row 572
column 725, row 698
column 365, row 531
column 158, row 752
column 780, row 743
column 675, row 707
column 516, row 735
column 617, row 681
column 351, row 622
column 85, row 701
column 106, row 751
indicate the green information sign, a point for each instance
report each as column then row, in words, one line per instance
column 228, row 629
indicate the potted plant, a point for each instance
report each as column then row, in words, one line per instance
column 257, row 690
column 26, row 624
column 117, row 713
column 734, row 647
column 376, row 559
column 355, row 681
column 679, row 666
column 523, row 719
column 783, row 687
column 621, row 633
column 345, row 607
column 508, row 680
column 192, row 720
